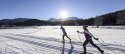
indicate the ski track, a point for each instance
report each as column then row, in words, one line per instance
column 29, row 44
column 43, row 42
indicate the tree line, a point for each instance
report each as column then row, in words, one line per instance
column 30, row 22
column 114, row 18
column 37, row 22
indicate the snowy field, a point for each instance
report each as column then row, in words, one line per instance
column 48, row 40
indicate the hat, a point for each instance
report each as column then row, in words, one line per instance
column 85, row 26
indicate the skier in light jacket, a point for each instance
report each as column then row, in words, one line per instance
column 64, row 34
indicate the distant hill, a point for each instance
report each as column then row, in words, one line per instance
column 53, row 20
column 20, row 19
column 113, row 18
column 64, row 19
column 14, row 20
column 72, row 18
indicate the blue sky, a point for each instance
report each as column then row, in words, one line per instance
column 44, row 9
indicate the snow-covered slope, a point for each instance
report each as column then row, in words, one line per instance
column 47, row 40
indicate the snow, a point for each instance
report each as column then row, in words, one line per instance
column 48, row 40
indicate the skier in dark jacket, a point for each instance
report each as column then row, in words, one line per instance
column 88, row 37
column 64, row 34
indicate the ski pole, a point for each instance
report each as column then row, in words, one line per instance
column 107, row 47
column 79, row 37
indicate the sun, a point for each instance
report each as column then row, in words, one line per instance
column 63, row 14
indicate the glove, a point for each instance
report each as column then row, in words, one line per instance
column 77, row 31
column 96, row 38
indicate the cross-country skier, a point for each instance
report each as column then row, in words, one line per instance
column 64, row 34
column 88, row 37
